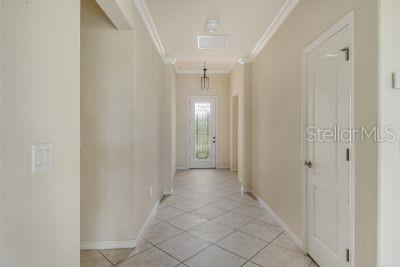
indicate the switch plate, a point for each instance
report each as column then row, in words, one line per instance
column 396, row 80
column 42, row 157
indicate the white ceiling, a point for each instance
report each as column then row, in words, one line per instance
column 179, row 22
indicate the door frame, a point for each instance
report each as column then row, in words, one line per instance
column 216, row 127
column 347, row 21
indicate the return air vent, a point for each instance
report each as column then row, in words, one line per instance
column 212, row 41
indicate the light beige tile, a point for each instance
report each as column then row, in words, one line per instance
column 211, row 231
column 286, row 242
column 189, row 205
column 150, row 258
column 154, row 221
column 225, row 204
column 168, row 213
column 268, row 218
column 313, row 264
column 274, row 256
column 189, row 194
column 249, row 211
column 232, row 220
column 172, row 200
column 205, row 189
column 208, row 212
column 262, row 230
column 184, row 246
column 221, row 193
column 215, row 256
column 186, row 221
column 243, row 245
column 160, row 232
column 250, row 264
column 117, row 255
column 207, row 199
column 240, row 198
column 254, row 203
column 93, row 258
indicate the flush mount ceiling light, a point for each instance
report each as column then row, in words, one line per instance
column 212, row 26
column 205, row 80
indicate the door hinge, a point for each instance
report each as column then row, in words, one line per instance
column 348, row 154
column 347, row 51
column 347, row 255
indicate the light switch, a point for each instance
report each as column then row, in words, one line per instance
column 396, row 80
column 42, row 157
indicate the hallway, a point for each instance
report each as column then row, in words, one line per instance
column 207, row 222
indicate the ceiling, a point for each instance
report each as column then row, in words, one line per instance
column 179, row 22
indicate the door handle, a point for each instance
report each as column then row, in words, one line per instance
column 308, row 164
column 214, row 139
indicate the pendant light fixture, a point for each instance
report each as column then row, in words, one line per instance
column 205, row 80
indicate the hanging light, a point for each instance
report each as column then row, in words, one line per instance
column 205, row 80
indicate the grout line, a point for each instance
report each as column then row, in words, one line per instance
column 98, row 250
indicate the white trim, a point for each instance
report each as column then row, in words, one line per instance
column 122, row 243
column 280, row 18
column 149, row 219
column 281, row 223
column 347, row 21
column 168, row 192
column 183, row 168
column 109, row 244
column 223, row 166
column 151, row 28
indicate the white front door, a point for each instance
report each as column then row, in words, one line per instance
column 328, row 79
column 202, row 139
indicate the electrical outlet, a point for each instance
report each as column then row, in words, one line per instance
column 150, row 191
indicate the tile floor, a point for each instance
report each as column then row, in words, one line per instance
column 207, row 222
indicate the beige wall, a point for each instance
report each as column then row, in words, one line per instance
column 189, row 85
column 124, row 137
column 240, row 86
column 389, row 114
column 40, row 104
column 275, row 113
column 107, row 130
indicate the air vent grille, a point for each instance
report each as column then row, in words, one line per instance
column 212, row 41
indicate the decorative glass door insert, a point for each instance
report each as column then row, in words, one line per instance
column 203, row 130
column 202, row 139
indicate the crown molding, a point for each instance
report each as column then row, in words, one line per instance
column 151, row 28
column 280, row 18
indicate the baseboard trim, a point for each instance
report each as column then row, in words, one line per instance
column 122, row 243
column 109, row 244
column 223, row 167
column 234, row 170
column 169, row 192
column 148, row 220
column 282, row 224
column 183, row 168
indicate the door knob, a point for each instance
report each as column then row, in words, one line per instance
column 214, row 139
column 308, row 163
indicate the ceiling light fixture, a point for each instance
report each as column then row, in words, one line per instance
column 205, row 80
column 212, row 26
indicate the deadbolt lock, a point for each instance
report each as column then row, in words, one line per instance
column 308, row 163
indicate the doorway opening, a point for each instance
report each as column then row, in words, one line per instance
column 234, row 133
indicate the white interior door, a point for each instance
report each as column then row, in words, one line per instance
column 202, row 139
column 328, row 74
